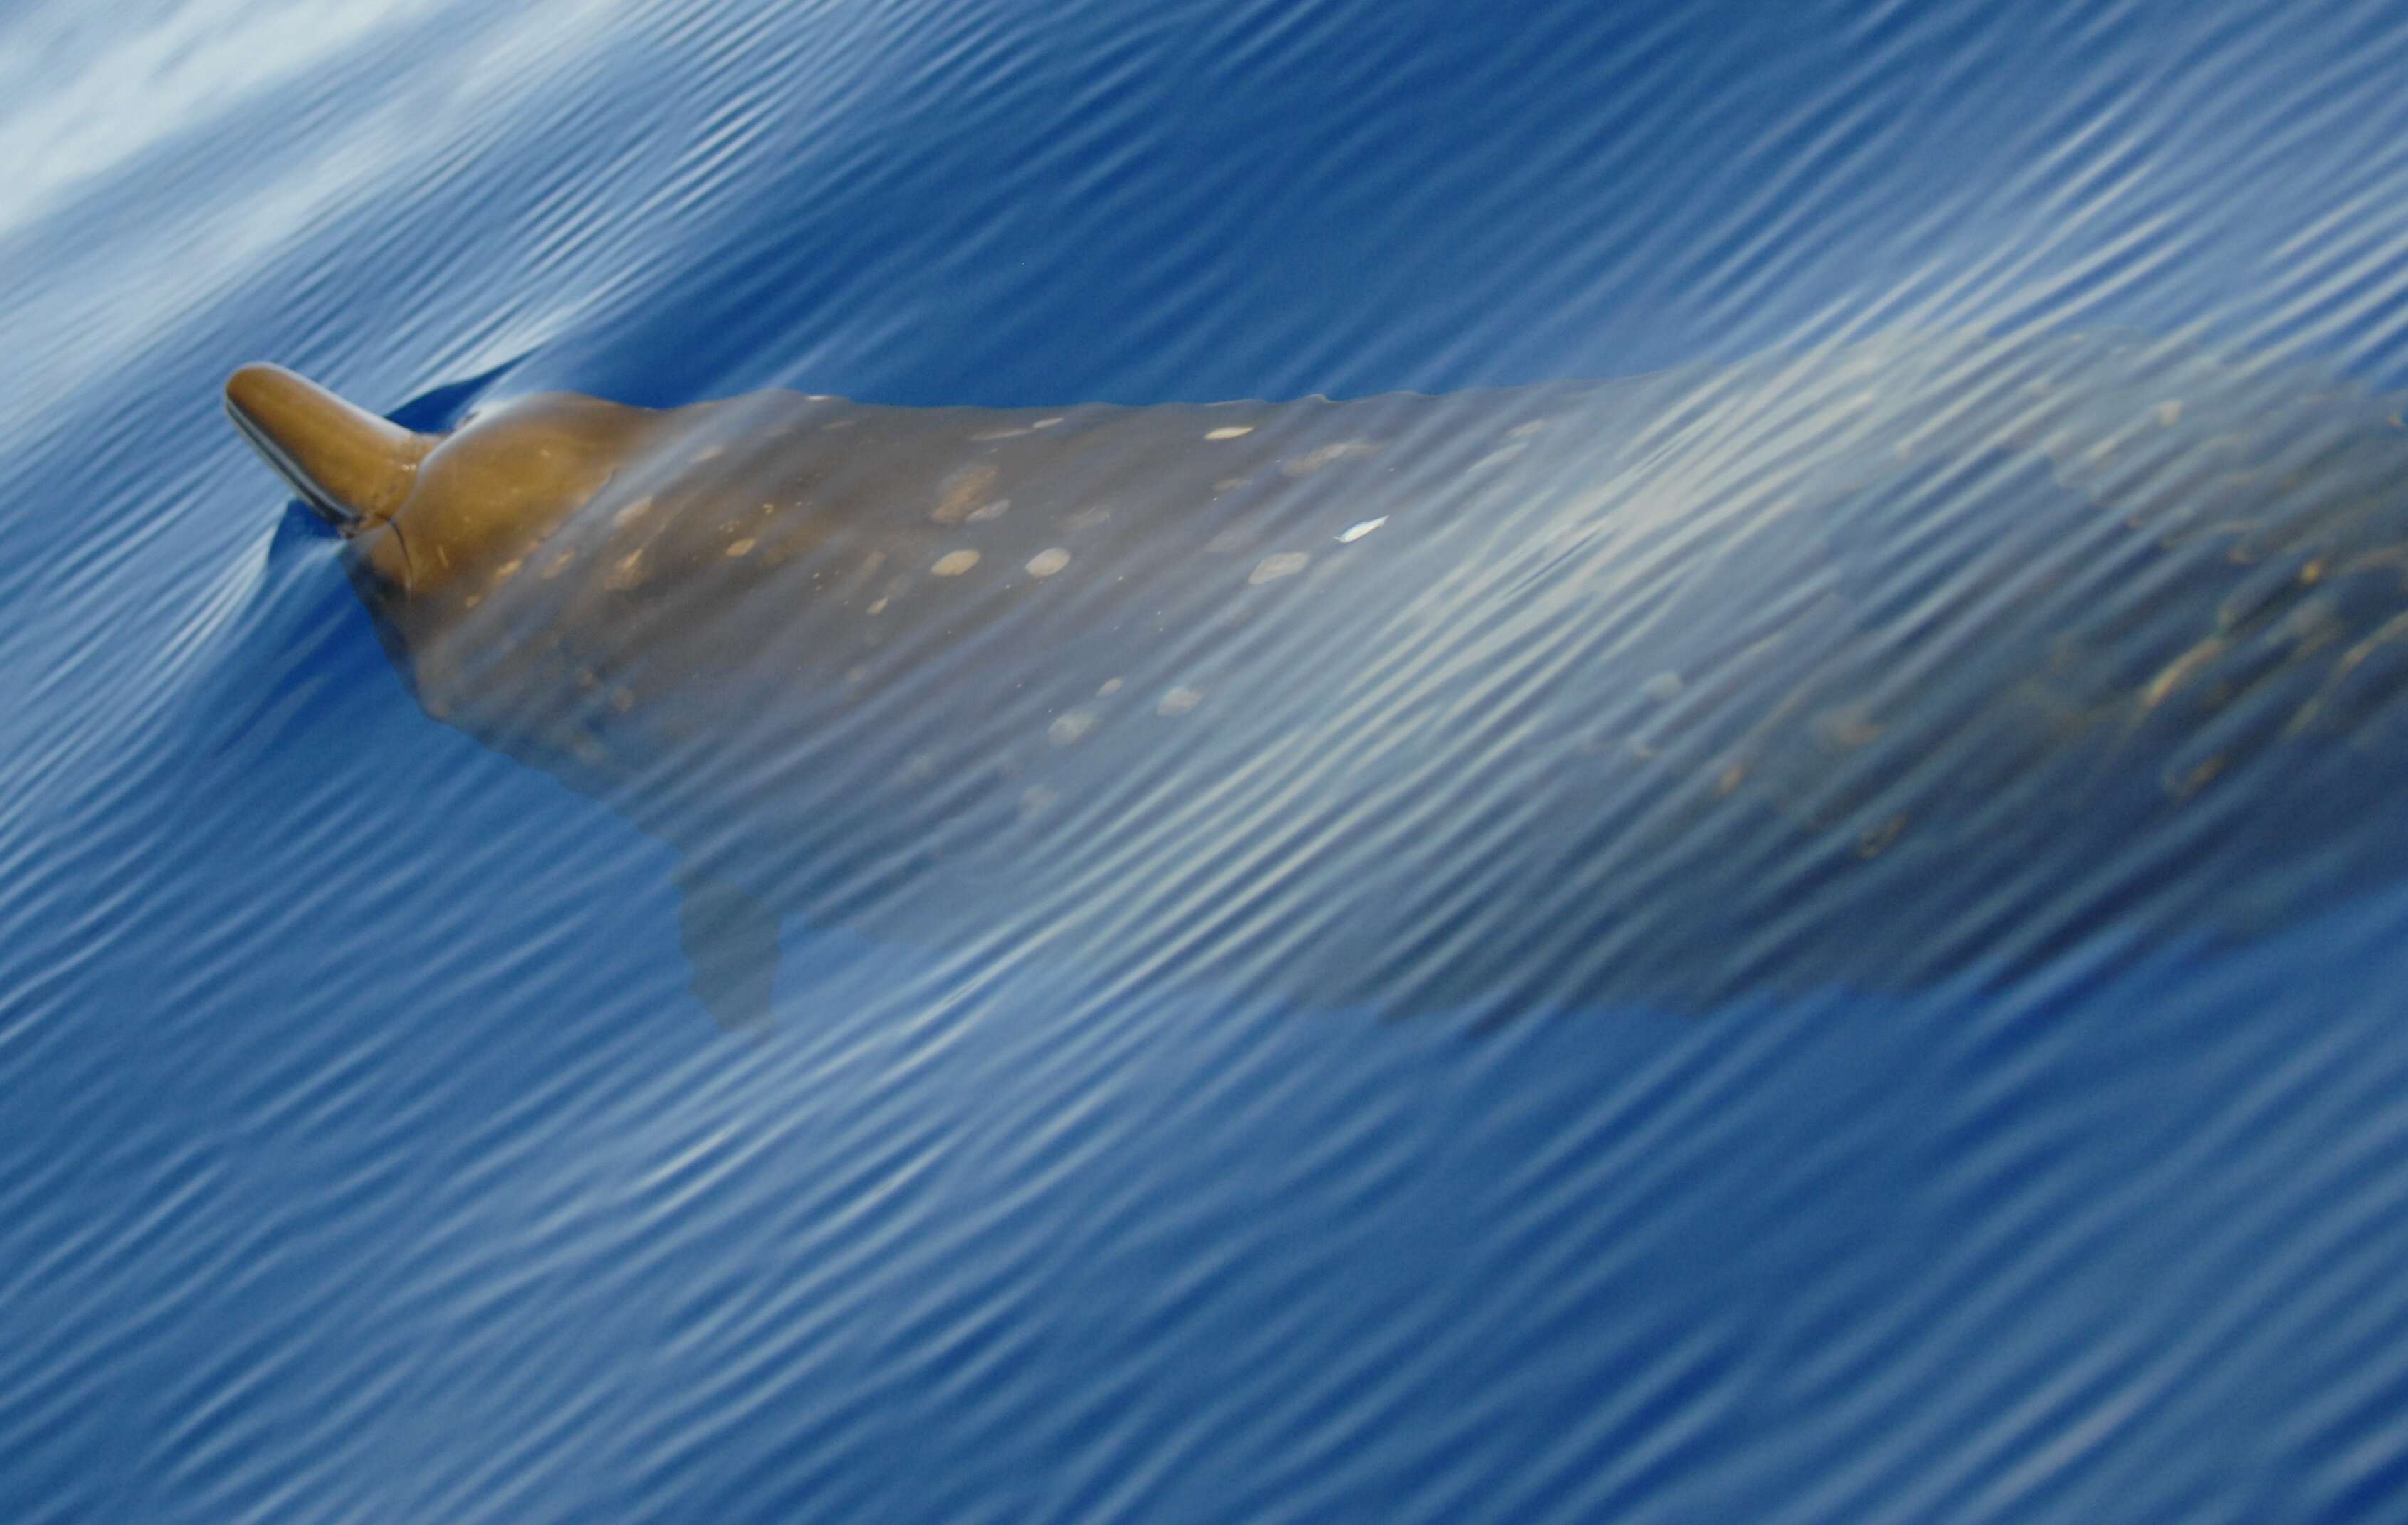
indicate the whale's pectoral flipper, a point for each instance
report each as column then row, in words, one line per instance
column 731, row 942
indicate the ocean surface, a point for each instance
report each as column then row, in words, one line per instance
column 364, row 1155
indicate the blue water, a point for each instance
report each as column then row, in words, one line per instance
column 364, row 1156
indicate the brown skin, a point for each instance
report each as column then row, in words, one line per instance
column 353, row 469
column 428, row 511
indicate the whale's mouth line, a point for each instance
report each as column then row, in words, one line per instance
column 341, row 516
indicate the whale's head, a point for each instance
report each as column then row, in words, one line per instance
column 431, row 511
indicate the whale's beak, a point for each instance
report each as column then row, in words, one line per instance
column 352, row 468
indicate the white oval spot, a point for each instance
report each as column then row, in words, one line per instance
column 1286, row 564
column 1179, row 701
column 1069, row 727
column 743, row 547
column 1662, row 686
column 962, row 492
column 1346, row 450
column 990, row 511
column 1356, row 532
column 2169, row 412
column 953, row 563
column 1112, row 686
column 1046, row 563
column 1234, row 433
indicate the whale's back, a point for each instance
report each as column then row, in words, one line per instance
column 1871, row 666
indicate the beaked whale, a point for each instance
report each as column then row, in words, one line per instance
column 1916, row 657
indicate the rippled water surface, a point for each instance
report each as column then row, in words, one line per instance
column 1777, row 902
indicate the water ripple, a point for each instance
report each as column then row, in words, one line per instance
column 1746, row 1155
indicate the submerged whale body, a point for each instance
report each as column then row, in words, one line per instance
column 1922, row 656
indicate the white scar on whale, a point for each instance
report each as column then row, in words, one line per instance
column 1926, row 656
